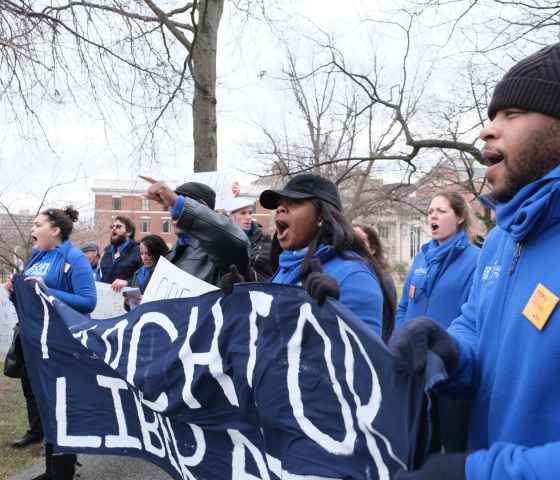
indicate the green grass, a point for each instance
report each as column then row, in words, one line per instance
column 13, row 424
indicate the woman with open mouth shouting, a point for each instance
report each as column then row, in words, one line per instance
column 315, row 246
column 63, row 268
column 437, row 285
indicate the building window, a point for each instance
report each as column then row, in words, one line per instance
column 145, row 205
column 383, row 230
column 117, row 204
column 415, row 239
column 166, row 226
column 145, row 225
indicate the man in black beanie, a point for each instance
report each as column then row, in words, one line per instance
column 504, row 350
column 207, row 243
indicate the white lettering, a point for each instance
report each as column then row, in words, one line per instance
column 161, row 320
column 346, row 446
column 212, row 358
column 198, row 455
column 46, row 319
column 62, row 437
column 261, row 303
column 123, row 439
column 365, row 413
column 119, row 327
column 238, row 471
column 83, row 335
column 149, row 430
column 167, row 440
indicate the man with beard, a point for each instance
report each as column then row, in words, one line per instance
column 240, row 210
column 122, row 257
column 504, row 349
column 208, row 243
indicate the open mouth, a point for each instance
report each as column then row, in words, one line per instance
column 33, row 238
column 434, row 227
column 491, row 157
column 281, row 230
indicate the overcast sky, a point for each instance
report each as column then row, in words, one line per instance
column 251, row 59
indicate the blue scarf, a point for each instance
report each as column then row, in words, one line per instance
column 183, row 240
column 533, row 209
column 438, row 258
column 291, row 261
column 143, row 276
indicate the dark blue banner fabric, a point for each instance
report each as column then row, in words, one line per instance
column 261, row 384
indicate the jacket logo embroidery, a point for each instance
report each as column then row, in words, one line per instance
column 491, row 273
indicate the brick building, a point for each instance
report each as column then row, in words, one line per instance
column 122, row 197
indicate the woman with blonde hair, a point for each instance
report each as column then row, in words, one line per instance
column 437, row 285
column 440, row 277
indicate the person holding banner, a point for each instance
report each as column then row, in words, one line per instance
column 437, row 286
column 151, row 248
column 503, row 350
column 317, row 247
column 64, row 269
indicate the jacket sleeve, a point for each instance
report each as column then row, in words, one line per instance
column 403, row 304
column 218, row 235
column 83, row 297
column 506, row 460
column 402, row 308
column 464, row 330
column 361, row 293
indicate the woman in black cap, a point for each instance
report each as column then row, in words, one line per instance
column 316, row 246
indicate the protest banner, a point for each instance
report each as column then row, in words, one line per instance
column 168, row 281
column 262, row 383
column 8, row 319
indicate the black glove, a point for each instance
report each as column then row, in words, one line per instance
column 446, row 466
column 320, row 285
column 227, row 282
column 412, row 341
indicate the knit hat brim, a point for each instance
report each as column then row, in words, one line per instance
column 528, row 93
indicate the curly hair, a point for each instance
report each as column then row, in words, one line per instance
column 63, row 218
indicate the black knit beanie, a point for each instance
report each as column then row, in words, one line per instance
column 533, row 84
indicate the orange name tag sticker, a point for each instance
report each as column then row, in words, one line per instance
column 411, row 291
column 117, row 255
column 66, row 267
column 540, row 306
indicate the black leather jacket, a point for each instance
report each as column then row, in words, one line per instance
column 215, row 243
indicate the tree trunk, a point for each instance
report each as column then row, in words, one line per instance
column 204, row 100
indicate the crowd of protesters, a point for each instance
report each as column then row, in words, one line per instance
column 488, row 313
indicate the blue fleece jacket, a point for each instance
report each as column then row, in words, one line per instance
column 68, row 275
column 439, row 280
column 511, row 368
column 359, row 287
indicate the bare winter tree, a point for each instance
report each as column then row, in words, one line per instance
column 376, row 123
column 139, row 53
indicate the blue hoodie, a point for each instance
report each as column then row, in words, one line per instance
column 68, row 276
column 439, row 280
column 510, row 367
column 359, row 287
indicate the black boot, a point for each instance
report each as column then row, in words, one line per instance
column 63, row 466
column 48, row 464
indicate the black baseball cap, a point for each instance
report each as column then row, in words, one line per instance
column 199, row 192
column 302, row 187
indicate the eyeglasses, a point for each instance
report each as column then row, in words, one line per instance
column 116, row 226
